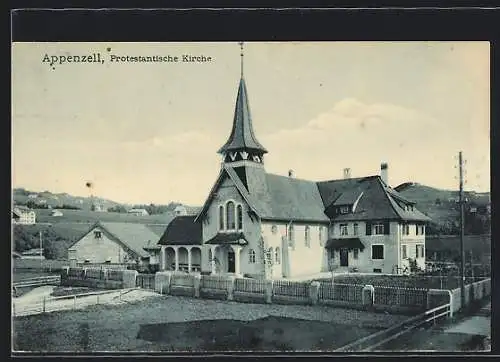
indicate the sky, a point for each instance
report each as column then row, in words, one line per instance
column 149, row 132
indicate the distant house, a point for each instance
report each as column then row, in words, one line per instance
column 180, row 210
column 23, row 215
column 138, row 212
column 57, row 213
column 36, row 253
column 32, row 196
column 114, row 242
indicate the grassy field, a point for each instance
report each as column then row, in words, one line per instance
column 166, row 323
column 446, row 282
column 84, row 216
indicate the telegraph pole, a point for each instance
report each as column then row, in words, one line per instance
column 462, row 252
column 41, row 250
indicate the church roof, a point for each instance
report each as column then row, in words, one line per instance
column 242, row 135
column 292, row 199
column 182, row 230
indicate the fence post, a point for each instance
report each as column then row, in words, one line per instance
column 230, row 287
column 197, row 285
column 97, row 302
column 451, row 303
column 269, row 291
column 314, row 292
column 43, row 305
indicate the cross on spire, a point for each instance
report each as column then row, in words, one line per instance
column 242, row 55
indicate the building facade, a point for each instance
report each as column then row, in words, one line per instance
column 262, row 225
column 23, row 215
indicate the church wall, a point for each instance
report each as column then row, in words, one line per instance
column 299, row 259
column 228, row 191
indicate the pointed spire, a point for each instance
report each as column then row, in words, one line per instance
column 242, row 136
column 242, row 57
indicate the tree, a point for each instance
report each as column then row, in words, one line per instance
column 118, row 208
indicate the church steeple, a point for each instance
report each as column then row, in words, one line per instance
column 242, row 144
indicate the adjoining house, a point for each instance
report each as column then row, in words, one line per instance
column 269, row 226
column 114, row 242
column 23, row 215
column 138, row 212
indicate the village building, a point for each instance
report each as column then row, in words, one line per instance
column 23, row 215
column 257, row 224
column 138, row 212
column 114, row 242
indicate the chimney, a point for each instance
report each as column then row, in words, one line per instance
column 347, row 173
column 290, row 173
column 384, row 172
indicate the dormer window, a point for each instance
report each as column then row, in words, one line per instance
column 97, row 234
column 344, row 210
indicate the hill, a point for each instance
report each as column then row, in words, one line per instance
column 443, row 208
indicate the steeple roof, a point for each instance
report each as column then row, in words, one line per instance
column 242, row 135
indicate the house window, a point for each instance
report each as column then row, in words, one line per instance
column 355, row 253
column 221, row 217
column 343, row 229
column 97, row 234
column 417, row 249
column 377, row 252
column 356, row 229
column 377, row 270
column 291, row 236
column 379, row 229
column 344, row 210
column 406, row 229
column 251, row 256
column 277, row 255
column 404, row 252
column 274, row 229
column 231, row 225
column 307, row 236
column 239, row 216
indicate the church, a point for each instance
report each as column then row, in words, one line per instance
column 261, row 225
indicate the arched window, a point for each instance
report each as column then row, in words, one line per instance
column 291, row 236
column 307, row 236
column 221, row 217
column 277, row 255
column 231, row 225
column 239, row 217
column 251, row 256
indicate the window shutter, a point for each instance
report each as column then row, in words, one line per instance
column 368, row 228
column 387, row 228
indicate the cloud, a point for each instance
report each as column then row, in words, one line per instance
column 361, row 135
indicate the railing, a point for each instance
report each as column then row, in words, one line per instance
column 341, row 292
column 250, row 286
column 38, row 281
column 291, row 288
column 65, row 302
column 374, row 340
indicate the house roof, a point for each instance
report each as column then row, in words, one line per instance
column 228, row 238
column 348, row 243
column 138, row 210
column 376, row 201
column 134, row 236
column 182, row 230
column 242, row 135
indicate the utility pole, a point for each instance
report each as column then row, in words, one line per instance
column 462, row 252
column 41, row 250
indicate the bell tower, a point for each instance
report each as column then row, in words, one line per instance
column 242, row 147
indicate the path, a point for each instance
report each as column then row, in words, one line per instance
column 34, row 303
column 471, row 333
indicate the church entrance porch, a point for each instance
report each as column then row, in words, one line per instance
column 225, row 259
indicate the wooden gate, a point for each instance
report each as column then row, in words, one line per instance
column 145, row 281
